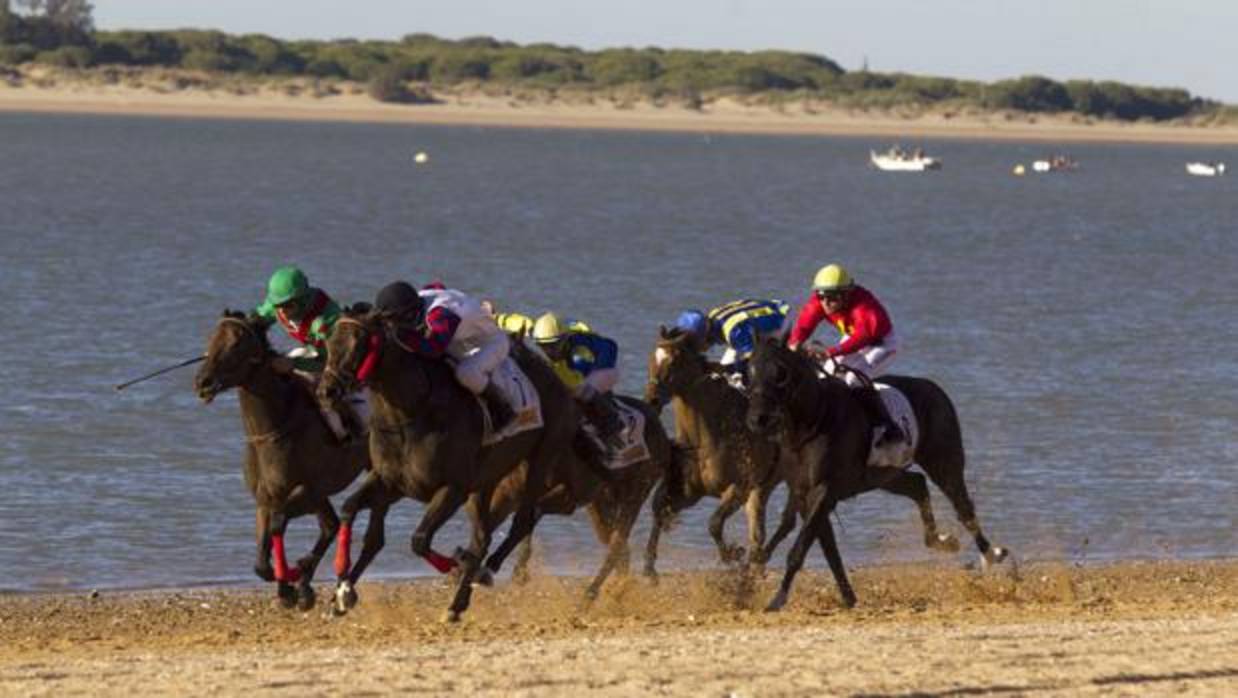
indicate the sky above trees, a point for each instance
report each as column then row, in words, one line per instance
column 1151, row 42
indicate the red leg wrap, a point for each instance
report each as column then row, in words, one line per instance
column 343, row 546
column 441, row 563
column 282, row 572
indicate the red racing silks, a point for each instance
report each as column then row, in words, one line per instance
column 303, row 327
column 282, row 572
column 370, row 362
column 441, row 563
column 343, row 545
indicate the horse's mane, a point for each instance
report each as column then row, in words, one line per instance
column 254, row 322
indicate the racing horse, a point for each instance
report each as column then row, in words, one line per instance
column 293, row 461
column 830, row 435
column 426, row 443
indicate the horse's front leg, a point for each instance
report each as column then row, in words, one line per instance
column 285, row 576
column 445, row 502
column 479, row 512
column 376, row 497
column 754, row 509
column 729, row 504
column 262, row 566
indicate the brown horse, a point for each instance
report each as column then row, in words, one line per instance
column 613, row 504
column 726, row 460
column 293, row 462
column 829, row 433
column 426, row 444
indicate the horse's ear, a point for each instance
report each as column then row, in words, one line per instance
column 234, row 314
column 663, row 332
column 358, row 309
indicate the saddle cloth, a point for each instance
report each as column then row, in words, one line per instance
column 899, row 454
column 634, row 449
column 523, row 398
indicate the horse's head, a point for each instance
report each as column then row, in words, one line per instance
column 236, row 347
column 774, row 373
column 674, row 366
column 350, row 343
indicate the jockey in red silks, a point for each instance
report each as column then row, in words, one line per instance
column 868, row 343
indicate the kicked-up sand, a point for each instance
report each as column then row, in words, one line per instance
column 1134, row 628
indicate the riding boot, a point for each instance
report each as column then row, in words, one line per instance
column 870, row 398
column 501, row 412
column 602, row 414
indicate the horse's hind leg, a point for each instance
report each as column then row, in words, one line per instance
column 949, row 477
column 913, row 486
column 479, row 511
column 829, row 546
column 328, row 525
column 729, row 504
column 664, row 508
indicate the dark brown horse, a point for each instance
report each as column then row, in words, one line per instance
column 830, row 434
column 613, row 504
column 426, row 444
column 725, row 459
column 293, row 461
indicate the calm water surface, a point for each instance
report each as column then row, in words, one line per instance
column 1085, row 324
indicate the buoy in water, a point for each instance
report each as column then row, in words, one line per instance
column 1019, row 170
column 421, row 158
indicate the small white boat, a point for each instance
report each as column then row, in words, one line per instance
column 1205, row 169
column 897, row 160
column 1057, row 163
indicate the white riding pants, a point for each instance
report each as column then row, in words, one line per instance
column 474, row 368
column 870, row 361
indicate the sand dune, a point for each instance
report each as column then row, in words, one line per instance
column 180, row 94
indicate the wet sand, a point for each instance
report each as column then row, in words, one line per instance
column 1055, row 629
column 163, row 93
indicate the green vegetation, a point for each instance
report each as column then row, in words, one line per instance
column 61, row 33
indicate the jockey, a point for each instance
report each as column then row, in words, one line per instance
column 307, row 314
column 737, row 325
column 586, row 362
column 437, row 322
column 868, row 342
column 511, row 323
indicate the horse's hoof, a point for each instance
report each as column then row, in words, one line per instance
column 451, row 617
column 849, row 599
column 306, row 598
column 776, row 603
column 345, row 598
column 944, row 542
column 652, row 575
column 266, row 574
column 591, row 595
column 484, row 577
column 993, row 556
column 287, row 595
column 520, row 577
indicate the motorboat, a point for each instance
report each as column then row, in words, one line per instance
column 1055, row 163
column 896, row 159
column 1205, row 169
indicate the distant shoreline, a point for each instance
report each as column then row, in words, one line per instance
column 296, row 100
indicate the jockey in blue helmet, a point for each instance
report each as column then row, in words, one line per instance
column 737, row 325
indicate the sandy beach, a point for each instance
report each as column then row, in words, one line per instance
column 1056, row 629
column 180, row 94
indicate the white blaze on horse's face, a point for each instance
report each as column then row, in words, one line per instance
column 660, row 356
